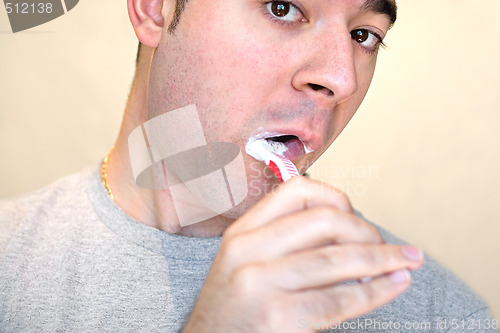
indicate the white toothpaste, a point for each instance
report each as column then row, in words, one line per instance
column 272, row 155
column 262, row 150
column 255, row 146
column 276, row 147
column 307, row 150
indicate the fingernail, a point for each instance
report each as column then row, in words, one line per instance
column 413, row 253
column 400, row 276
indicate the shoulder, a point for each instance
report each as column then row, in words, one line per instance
column 62, row 195
column 435, row 296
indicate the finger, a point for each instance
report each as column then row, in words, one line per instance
column 320, row 267
column 301, row 231
column 295, row 195
column 344, row 302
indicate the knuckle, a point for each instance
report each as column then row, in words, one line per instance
column 346, row 300
column 326, row 214
column 343, row 200
column 392, row 255
column 335, row 222
column 373, row 232
column 326, row 258
column 340, row 194
column 299, row 186
column 368, row 255
column 366, row 295
column 306, row 187
column 343, row 303
column 246, row 279
column 319, row 307
column 396, row 255
column 332, row 218
column 296, row 184
column 298, row 181
column 366, row 230
column 349, row 302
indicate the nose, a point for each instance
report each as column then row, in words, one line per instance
column 327, row 71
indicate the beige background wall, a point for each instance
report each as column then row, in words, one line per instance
column 420, row 158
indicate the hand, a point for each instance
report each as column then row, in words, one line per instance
column 285, row 261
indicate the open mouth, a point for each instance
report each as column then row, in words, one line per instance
column 288, row 146
column 282, row 138
column 284, row 145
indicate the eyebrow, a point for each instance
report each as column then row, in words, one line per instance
column 386, row 7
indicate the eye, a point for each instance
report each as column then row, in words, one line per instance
column 369, row 40
column 284, row 11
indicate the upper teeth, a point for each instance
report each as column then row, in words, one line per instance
column 261, row 148
column 268, row 142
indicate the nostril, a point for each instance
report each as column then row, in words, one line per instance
column 317, row 87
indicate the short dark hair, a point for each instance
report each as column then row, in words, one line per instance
column 138, row 51
column 179, row 7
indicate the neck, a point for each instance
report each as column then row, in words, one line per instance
column 151, row 207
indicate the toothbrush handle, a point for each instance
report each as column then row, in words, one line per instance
column 283, row 168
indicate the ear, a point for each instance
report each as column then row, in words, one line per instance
column 148, row 19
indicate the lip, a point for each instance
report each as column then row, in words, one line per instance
column 292, row 149
column 310, row 140
column 295, row 148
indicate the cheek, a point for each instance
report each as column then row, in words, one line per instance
column 229, row 74
column 365, row 68
column 237, row 68
column 233, row 55
column 345, row 111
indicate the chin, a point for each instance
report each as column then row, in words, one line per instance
column 258, row 187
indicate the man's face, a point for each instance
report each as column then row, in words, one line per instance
column 264, row 69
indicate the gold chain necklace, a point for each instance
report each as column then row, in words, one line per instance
column 104, row 175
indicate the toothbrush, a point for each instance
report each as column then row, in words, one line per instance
column 282, row 167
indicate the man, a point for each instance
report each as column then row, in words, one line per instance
column 97, row 252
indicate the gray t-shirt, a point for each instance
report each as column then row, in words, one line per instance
column 72, row 261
